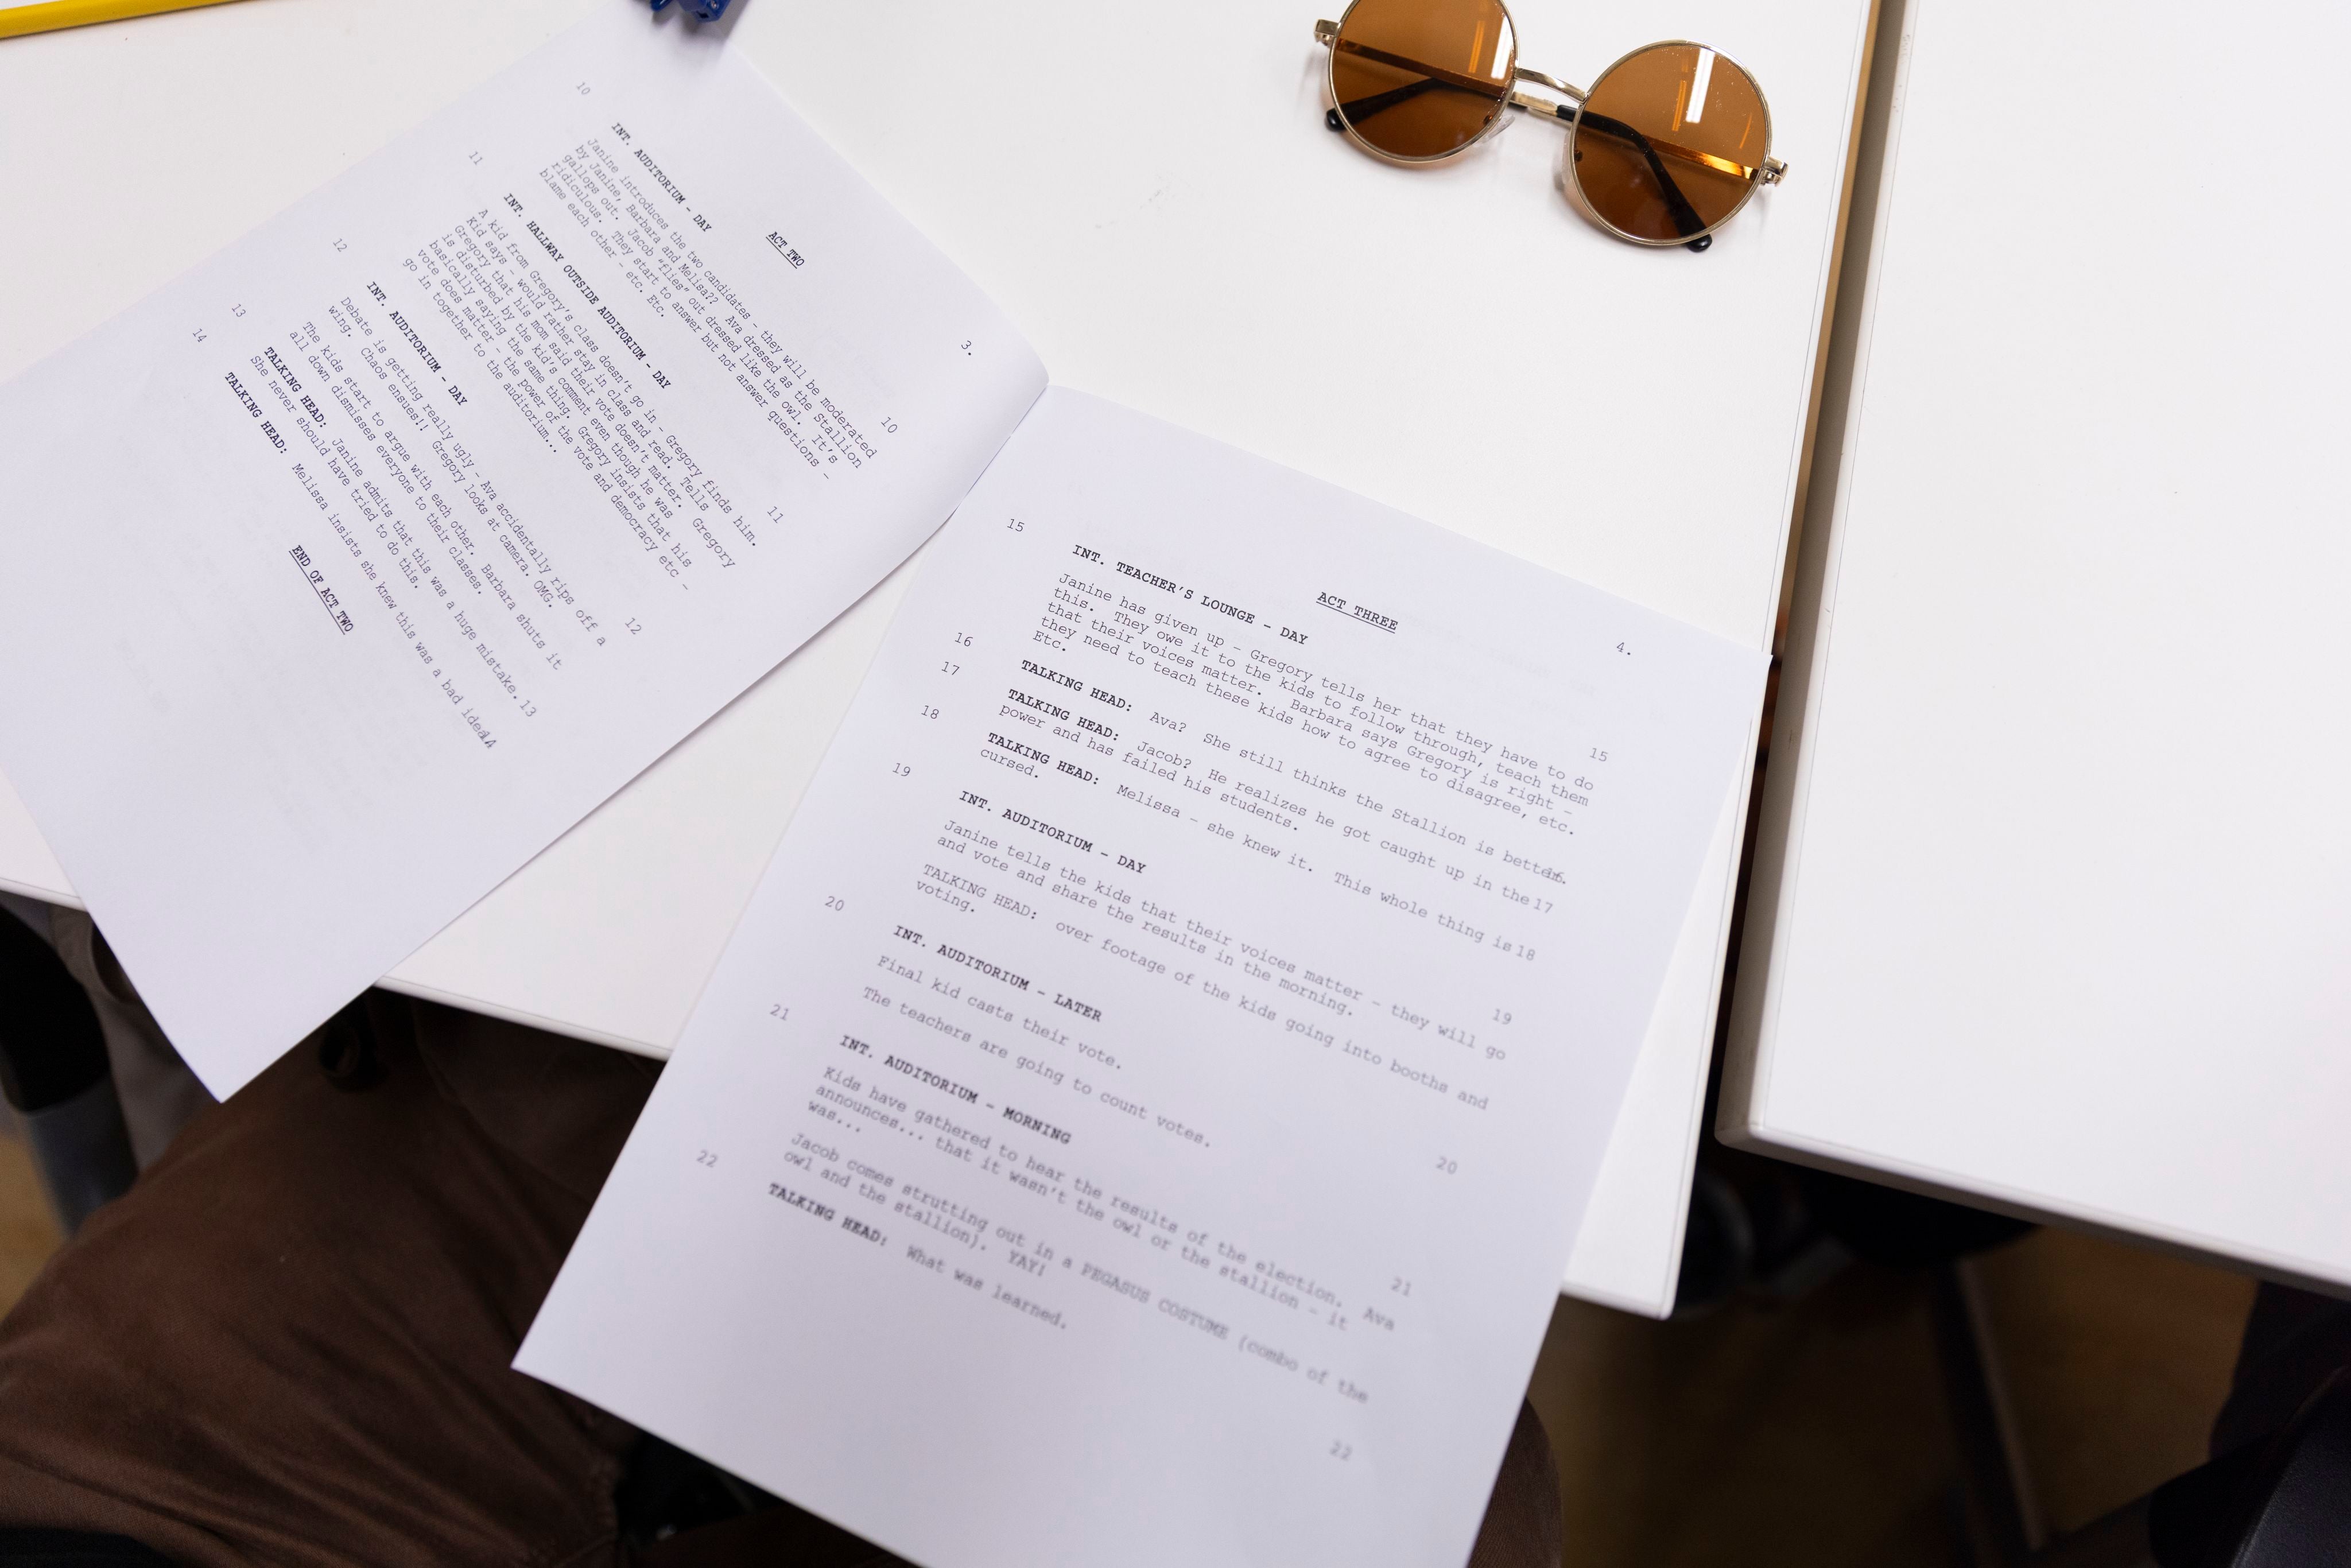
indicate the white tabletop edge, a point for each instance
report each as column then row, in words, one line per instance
column 46, row 895
column 1778, row 830
column 2302, row 1273
column 1745, row 1117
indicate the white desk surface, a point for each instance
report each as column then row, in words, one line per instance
column 2052, row 895
column 1162, row 212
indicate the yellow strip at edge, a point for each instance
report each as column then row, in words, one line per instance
column 49, row 14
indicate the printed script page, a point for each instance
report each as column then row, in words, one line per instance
column 1142, row 1115
column 347, row 572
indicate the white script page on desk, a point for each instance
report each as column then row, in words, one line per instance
column 1142, row 1116
column 345, row 573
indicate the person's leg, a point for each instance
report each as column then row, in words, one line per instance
column 289, row 1342
column 1523, row 1527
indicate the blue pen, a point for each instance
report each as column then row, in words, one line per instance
column 708, row 10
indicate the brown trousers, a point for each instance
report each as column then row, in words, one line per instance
column 290, row 1342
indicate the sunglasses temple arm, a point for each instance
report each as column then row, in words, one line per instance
column 1359, row 109
column 1685, row 216
column 1677, row 205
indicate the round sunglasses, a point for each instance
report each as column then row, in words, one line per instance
column 1666, row 147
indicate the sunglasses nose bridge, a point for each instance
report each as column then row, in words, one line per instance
column 1563, row 113
column 1575, row 94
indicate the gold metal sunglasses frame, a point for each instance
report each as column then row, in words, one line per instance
column 1770, row 172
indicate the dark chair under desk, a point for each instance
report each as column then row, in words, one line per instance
column 55, row 1074
column 2280, row 1498
column 2277, row 1491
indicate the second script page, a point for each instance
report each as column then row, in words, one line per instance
column 1145, row 1112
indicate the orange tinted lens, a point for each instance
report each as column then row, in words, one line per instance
column 1669, row 143
column 1422, row 78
